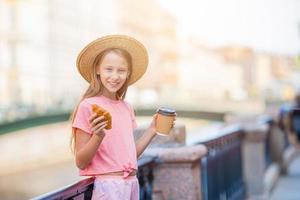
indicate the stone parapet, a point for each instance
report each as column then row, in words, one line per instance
column 177, row 174
column 255, row 132
column 253, row 156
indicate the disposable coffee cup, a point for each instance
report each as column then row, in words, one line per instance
column 164, row 121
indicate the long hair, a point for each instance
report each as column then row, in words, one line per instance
column 96, row 88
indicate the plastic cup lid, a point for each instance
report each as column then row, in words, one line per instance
column 166, row 111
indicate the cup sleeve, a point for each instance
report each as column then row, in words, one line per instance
column 81, row 119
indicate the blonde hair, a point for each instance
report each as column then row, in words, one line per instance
column 95, row 88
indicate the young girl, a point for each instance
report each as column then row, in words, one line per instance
column 110, row 64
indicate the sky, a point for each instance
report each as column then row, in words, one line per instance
column 271, row 26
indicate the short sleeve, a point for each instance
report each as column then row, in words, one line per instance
column 134, row 124
column 81, row 119
column 132, row 114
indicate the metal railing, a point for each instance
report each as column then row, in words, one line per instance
column 221, row 168
column 80, row 190
column 295, row 121
column 84, row 188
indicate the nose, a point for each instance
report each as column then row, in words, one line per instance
column 115, row 75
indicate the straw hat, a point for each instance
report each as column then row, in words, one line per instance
column 136, row 49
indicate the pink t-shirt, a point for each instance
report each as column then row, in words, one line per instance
column 117, row 152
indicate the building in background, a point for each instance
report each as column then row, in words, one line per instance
column 215, row 77
column 24, row 58
column 40, row 40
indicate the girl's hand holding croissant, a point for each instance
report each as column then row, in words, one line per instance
column 97, row 124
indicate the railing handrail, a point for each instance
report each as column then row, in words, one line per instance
column 68, row 191
column 219, row 133
column 85, row 184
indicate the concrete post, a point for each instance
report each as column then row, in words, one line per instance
column 178, row 174
column 253, row 154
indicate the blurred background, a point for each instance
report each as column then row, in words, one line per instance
column 232, row 56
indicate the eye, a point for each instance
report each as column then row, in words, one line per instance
column 122, row 71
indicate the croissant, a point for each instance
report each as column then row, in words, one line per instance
column 101, row 111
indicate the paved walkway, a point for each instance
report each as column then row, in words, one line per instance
column 288, row 187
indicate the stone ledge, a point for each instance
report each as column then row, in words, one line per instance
column 255, row 132
column 178, row 154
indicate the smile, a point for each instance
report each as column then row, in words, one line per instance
column 113, row 84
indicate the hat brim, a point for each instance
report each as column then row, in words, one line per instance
column 136, row 49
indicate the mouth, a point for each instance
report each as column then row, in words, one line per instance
column 114, row 84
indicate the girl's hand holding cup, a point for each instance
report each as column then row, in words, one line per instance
column 97, row 123
column 165, row 120
column 152, row 127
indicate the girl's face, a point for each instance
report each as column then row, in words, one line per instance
column 113, row 72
